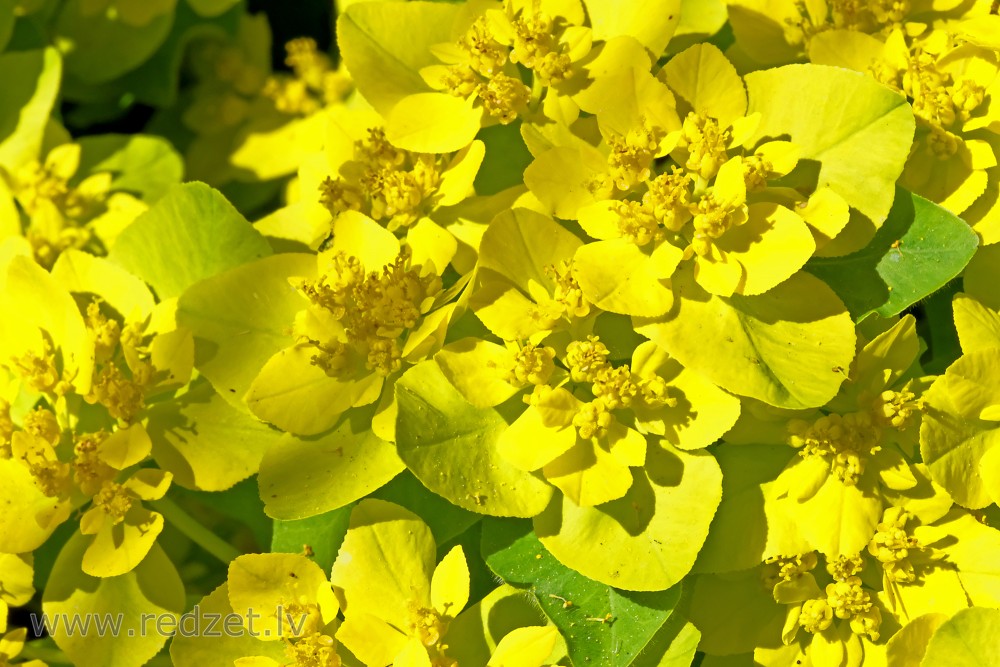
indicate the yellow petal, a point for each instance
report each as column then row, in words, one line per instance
column 450, row 583
column 524, row 647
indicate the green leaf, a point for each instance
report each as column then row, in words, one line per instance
column 322, row 534
column 445, row 520
column 739, row 534
column 7, row 20
column 204, row 441
column 575, row 603
column 31, row 82
column 152, row 588
column 303, row 477
column 967, row 638
column 143, row 164
column 212, row 7
column 240, row 502
column 451, row 447
column 787, row 347
column 649, row 539
column 857, row 129
column 917, row 251
column 240, row 318
column 506, row 158
column 191, row 234
column 384, row 45
column 101, row 46
column 953, row 441
column 156, row 81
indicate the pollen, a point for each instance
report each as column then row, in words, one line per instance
column 706, row 144
column 567, row 293
column 593, row 420
column 631, row 157
column 123, row 397
column 115, row 500
column 892, row 546
column 845, row 441
column 504, row 97
column 313, row 650
column 586, row 359
column 637, row 223
column 614, row 387
column 532, row 365
column 390, row 185
column 669, row 196
column 104, row 331
column 375, row 309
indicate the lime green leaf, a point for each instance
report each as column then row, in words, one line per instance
column 385, row 45
column 445, row 520
column 983, row 274
column 303, row 477
column 476, row 369
column 740, row 532
column 706, row 79
column 197, row 649
column 513, row 551
column 619, row 277
column 101, row 46
column 785, row 347
column 204, row 441
column 560, row 178
column 30, row 90
column 320, row 535
column 386, row 560
column 920, row 247
column 451, row 447
column 647, row 540
column 27, row 516
column 191, row 234
column 967, row 638
column 262, row 585
column 474, row 635
column 906, row 648
column 298, row 396
column 953, row 442
column 33, row 301
column 859, row 130
column 240, row 318
column 650, row 22
column 142, row 164
column 525, row 647
column 978, row 326
column 152, row 588
column 87, row 276
column 734, row 612
column 433, row 123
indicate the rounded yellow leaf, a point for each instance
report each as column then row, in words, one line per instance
column 525, row 647
column 647, row 540
column 706, row 79
column 433, row 123
column 385, row 563
column 287, row 593
column 450, row 583
column 619, row 277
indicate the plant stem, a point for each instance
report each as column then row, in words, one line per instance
column 193, row 529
